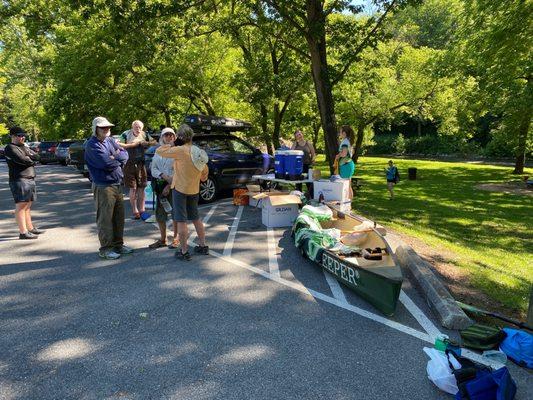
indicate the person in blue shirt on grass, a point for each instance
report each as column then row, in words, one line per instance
column 105, row 160
column 393, row 178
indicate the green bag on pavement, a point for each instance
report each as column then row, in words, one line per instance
column 482, row 337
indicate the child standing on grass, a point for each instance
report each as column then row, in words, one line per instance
column 392, row 178
column 344, row 158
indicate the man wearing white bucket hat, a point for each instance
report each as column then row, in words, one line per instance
column 105, row 159
column 190, row 167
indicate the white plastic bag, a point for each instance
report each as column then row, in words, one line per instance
column 439, row 371
column 333, row 232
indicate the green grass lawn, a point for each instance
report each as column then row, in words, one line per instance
column 490, row 233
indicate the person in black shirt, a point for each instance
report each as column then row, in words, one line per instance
column 21, row 160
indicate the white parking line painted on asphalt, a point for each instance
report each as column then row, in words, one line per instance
column 272, row 253
column 233, row 231
column 193, row 234
column 328, row 299
column 419, row 315
column 335, row 287
column 340, row 299
column 227, row 201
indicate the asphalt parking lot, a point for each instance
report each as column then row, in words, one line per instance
column 253, row 320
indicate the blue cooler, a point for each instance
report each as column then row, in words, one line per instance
column 294, row 164
column 279, row 163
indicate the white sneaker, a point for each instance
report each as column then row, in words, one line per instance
column 124, row 250
column 109, row 255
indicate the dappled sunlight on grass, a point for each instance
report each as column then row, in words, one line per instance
column 491, row 233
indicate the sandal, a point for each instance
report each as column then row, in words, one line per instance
column 157, row 244
column 183, row 256
column 201, row 250
column 175, row 244
column 136, row 216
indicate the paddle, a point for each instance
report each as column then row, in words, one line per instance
column 478, row 311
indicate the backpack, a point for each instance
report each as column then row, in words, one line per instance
column 482, row 337
column 477, row 382
column 397, row 176
column 518, row 346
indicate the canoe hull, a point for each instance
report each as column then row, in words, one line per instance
column 380, row 291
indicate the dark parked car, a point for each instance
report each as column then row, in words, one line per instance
column 63, row 152
column 34, row 146
column 47, row 152
column 77, row 156
column 232, row 161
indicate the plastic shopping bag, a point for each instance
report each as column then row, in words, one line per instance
column 439, row 371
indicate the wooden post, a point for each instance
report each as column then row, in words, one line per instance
column 530, row 312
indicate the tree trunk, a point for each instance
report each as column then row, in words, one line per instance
column 530, row 309
column 359, row 140
column 523, row 130
column 277, row 125
column 419, row 127
column 168, row 120
column 316, row 131
column 264, row 129
column 316, row 41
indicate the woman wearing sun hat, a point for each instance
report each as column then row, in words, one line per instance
column 162, row 170
column 190, row 167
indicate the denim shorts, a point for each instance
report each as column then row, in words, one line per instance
column 184, row 206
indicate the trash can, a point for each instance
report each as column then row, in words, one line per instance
column 411, row 172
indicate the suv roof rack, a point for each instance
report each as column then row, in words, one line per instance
column 211, row 123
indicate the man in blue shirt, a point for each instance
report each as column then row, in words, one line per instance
column 105, row 159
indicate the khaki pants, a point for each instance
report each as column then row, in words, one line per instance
column 109, row 202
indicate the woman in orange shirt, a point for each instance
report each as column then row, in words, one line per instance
column 190, row 167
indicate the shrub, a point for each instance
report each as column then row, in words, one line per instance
column 439, row 145
column 383, row 144
column 500, row 147
column 399, row 144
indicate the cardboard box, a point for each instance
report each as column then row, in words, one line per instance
column 332, row 191
column 253, row 190
column 256, row 198
column 280, row 210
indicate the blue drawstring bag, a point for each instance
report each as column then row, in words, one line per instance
column 518, row 346
column 476, row 382
column 497, row 385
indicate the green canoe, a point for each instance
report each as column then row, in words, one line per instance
column 377, row 278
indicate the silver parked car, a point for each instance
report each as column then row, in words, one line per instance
column 63, row 152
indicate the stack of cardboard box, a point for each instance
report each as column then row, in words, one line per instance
column 278, row 209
